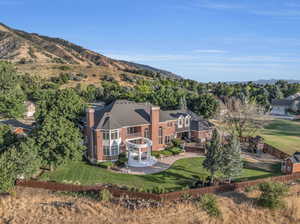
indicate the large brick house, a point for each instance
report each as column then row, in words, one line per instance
column 108, row 127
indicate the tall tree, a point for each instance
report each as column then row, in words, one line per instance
column 12, row 96
column 59, row 141
column 243, row 118
column 214, row 156
column 232, row 161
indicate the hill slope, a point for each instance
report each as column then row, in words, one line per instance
column 31, row 48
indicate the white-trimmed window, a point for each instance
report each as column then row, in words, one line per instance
column 105, row 135
column 180, row 122
column 114, row 135
column 115, row 150
column 106, row 150
column 187, row 121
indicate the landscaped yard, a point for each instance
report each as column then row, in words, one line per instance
column 182, row 173
column 283, row 134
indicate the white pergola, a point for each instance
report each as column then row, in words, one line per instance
column 139, row 154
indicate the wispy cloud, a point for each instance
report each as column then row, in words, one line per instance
column 278, row 13
column 215, row 5
column 209, row 51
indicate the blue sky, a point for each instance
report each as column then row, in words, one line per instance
column 205, row 40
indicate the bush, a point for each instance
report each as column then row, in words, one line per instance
column 177, row 142
column 251, row 188
column 175, row 150
column 105, row 195
column 121, row 161
column 271, row 194
column 159, row 190
column 156, row 154
column 106, row 165
column 208, row 202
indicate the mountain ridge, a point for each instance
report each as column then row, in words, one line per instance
column 22, row 47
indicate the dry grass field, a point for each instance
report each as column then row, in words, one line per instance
column 40, row 206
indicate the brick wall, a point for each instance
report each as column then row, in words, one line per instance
column 154, row 114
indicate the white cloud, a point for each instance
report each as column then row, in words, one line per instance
column 214, row 5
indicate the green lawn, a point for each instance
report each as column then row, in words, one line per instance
column 283, row 134
column 182, row 172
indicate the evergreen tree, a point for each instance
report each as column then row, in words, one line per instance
column 232, row 161
column 214, row 156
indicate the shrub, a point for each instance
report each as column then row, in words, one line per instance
column 175, row 150
column 121, row 161
column 271, row 194
column 251, row 188
column 156, row 154
column 166, row 153
column 105, row 195
column 106, row 165
column 159, row 190
column 177, row 142
column 63, row 67
column 208, row 202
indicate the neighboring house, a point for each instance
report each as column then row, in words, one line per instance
column 291, row 164
column 283, row 106
column 30, row 109
column 18, row 127
column 108, row 128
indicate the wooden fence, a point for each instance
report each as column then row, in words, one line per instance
column 269, row 149
column 151, row 196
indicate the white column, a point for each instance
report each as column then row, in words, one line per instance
column 140, row 155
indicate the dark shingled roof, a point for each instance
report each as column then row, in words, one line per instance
column 282, row 102
column 123, row 113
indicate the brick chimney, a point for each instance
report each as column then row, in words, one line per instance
column 154, row 116
column 90, row 114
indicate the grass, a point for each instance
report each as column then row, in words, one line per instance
column 182, row 173
column 283, row 134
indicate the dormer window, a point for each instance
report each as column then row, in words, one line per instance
column 187, row 121
column 180, row 122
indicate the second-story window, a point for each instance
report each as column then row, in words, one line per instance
column 160, row 135
column 132, row 130
column 114, row 135
column 180, row 122
column 106, row 135
column 187, row 121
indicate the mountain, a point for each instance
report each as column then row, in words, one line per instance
column 30, row 48
column 266, row 81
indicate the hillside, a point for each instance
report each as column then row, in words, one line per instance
column 41, row 206
column 37, row 54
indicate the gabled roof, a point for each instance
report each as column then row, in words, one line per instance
column 122, row 113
